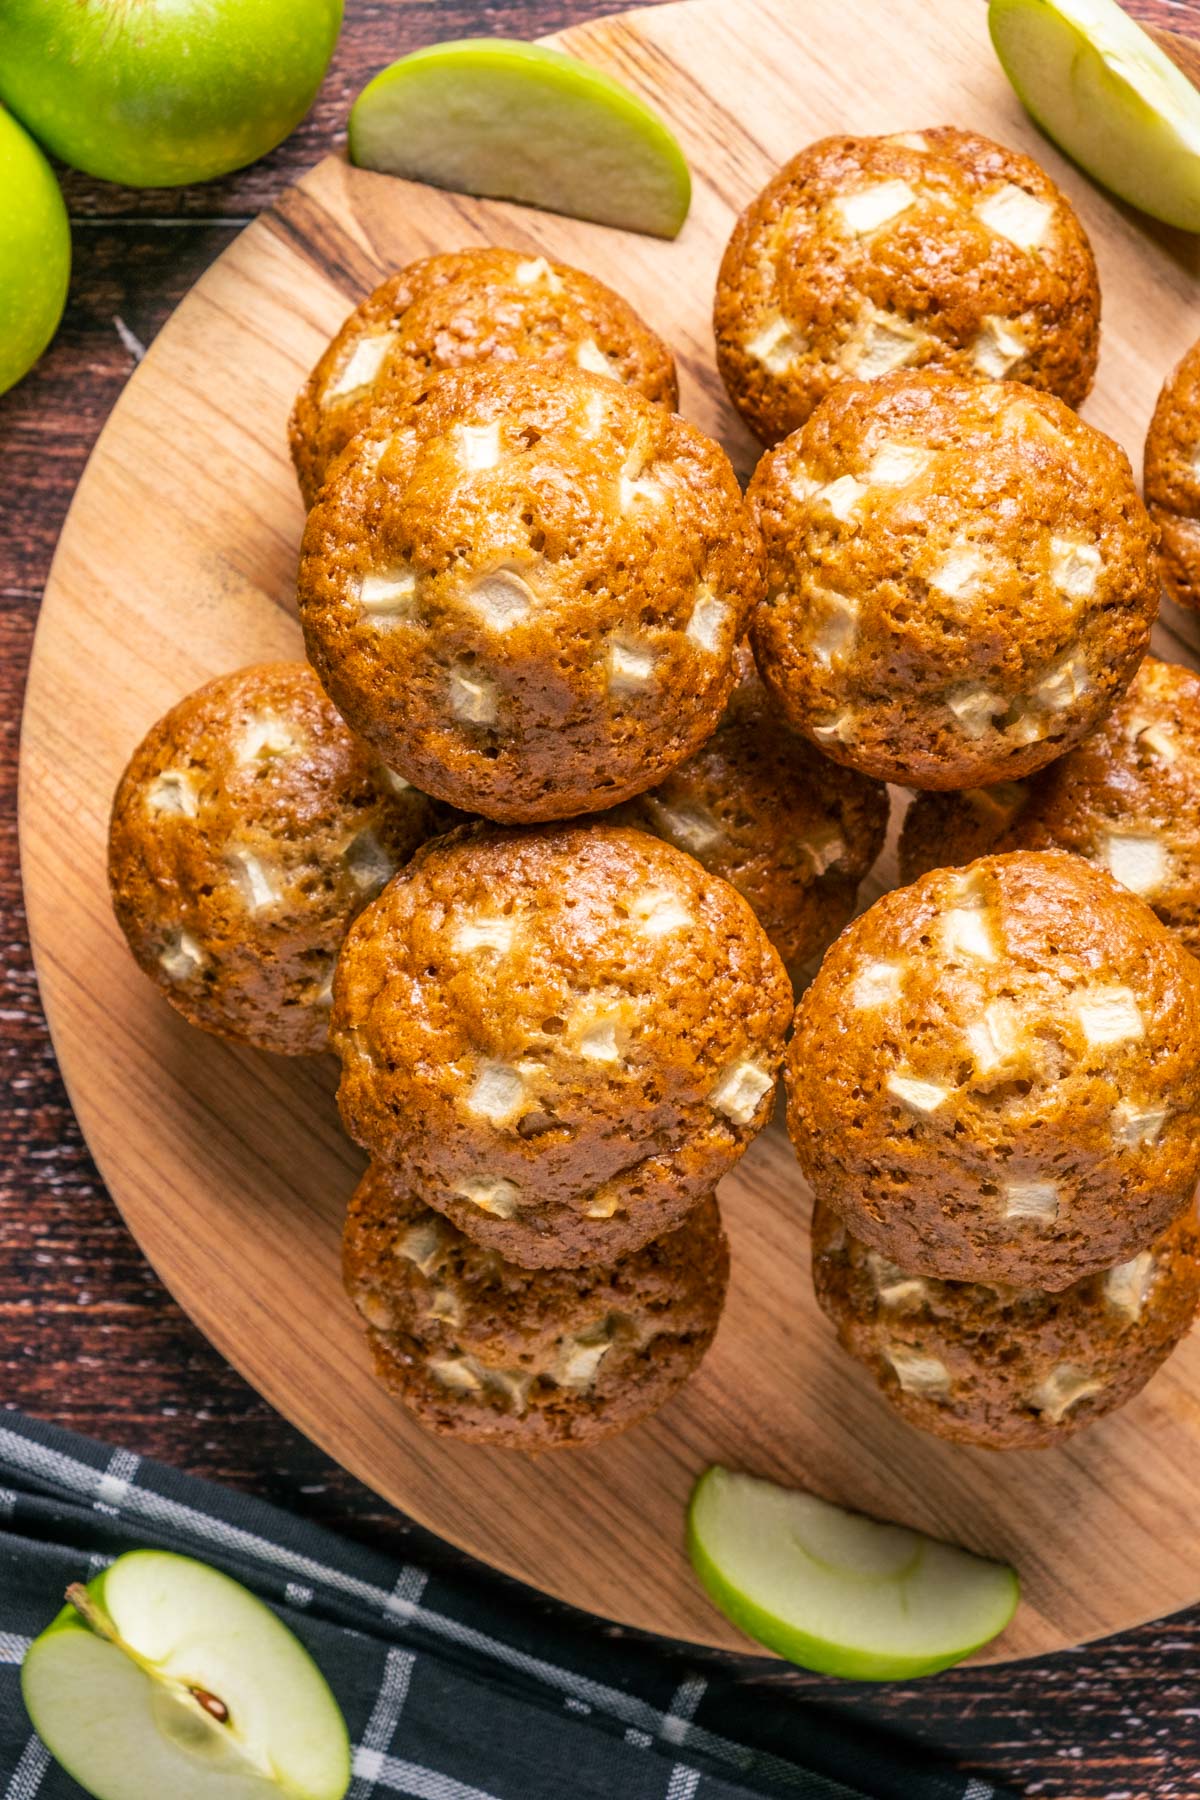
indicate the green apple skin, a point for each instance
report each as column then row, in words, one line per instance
column 223, row 1778
column 156, row 93
column 850, row 1662
column 1108, row 96
column 35, row 251
column 515, row 121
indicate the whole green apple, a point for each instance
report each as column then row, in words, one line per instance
column 156, row 93
column 35, row 252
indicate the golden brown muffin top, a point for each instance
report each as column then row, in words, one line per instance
column 481, row 1349
column 465, row 307
column 1172, row 478
column 552, row 1017
column 1008, row 1367
column 1127, row 798
column 933, row 248
column 758, row 805
column 527, row 594
column 959, row 578
column 996, row 1073
column 247, row 831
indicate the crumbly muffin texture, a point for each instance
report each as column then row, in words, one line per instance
column 1005, row 1367
column 996, row 1073
column 794, row 833
column 959, row 578
column 1172, row 479
column 471, row 306
column 481, row 1350
column 527, row 593
column 928, row 249
column 247, row 831
column 1126, row 798
column 560, row 1038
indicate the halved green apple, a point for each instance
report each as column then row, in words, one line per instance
column 162, row 1679
column 1102, row 89
column 837, row 1592
column 516, row 121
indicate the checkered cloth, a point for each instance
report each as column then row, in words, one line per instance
column 448, row 1694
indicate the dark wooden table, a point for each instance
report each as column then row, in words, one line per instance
column 88, row 1336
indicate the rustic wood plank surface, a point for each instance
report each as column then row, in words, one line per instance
column 86, row 1334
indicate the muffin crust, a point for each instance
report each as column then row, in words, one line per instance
column 1172, row 479
column 932, row 249
column 248, row 830
column 1127, row 798
column 470, row 306
column 527, row 594
column 481, row 1350
column 959, row 578
column 1007, row 1368
column 996, row 1074
column 560, row 1038
column 794, row 833
column 945, row 830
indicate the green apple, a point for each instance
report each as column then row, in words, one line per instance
column 155, row 93
column 35, row 252
column 162, row 1679
column 517, row 121
column 837, row 1592
column 1109, row 97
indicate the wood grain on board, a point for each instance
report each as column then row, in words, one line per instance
column 125, row 1363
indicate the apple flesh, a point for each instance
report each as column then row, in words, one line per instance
column 1101, row 88
column 165, row 1680
column 156, row 95
column 836, row 1592
column 516, row 121
column 35, row 252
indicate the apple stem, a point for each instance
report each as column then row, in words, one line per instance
column 93, row 1616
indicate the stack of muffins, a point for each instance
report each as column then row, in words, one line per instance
column 587, row 764
column 993, row 1080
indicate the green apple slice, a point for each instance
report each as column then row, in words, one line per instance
column 516, row 121
column 1101, row 88
column 165, row 1680
column 837, row 1592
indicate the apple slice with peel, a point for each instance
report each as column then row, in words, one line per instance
column 1101, row 88
column 837, row 1592
column 516, row 121
column 162, row 1679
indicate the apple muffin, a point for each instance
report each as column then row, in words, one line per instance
column 561, row 1038
column 1127, row 798
column 929, row 249
column 527, row 593
column 794, row 833
column 1007, row 1368
column 960, row 579
column 943, row 830
column 530, row 1359
column 1172, row 479
column 470, row 306
column 248, row 830
column 996, row 1074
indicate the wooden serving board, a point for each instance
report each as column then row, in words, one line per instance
column 178, row 562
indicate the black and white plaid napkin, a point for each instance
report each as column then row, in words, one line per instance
column 447, row 1694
